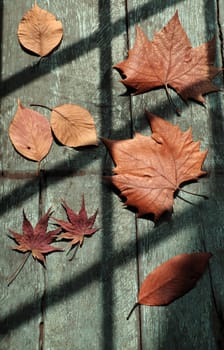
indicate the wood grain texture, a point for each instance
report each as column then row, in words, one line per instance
column 86, row 297
column 192, row 321
column 89, row 297
column 83, row 304
column 20, row 303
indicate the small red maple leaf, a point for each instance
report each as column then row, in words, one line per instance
column 78, row 226
column 36, row 240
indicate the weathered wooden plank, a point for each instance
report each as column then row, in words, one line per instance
column 89, row 302
column 192, row 321
column 16, row 65
column 69, row 75
column 86, row 304
column 20, row 303
column 220, row 6
column 89, row 297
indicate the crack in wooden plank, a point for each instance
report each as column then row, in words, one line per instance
column 40, row 175
column 220, row 31
column 132, row 131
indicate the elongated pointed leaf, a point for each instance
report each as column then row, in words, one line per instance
column 173, row 278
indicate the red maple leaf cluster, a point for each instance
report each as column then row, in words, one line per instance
column 37, row 240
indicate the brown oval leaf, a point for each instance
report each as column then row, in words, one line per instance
column 173, row 278
column 39, row 31
column 30, row 133
column 73, row 126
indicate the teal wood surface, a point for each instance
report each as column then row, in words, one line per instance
column 83, row 303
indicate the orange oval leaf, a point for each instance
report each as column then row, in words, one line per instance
column 73, row 126
column 173, row 278
column 39, row 31
column 30, row 133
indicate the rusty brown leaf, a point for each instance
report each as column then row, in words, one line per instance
column 170, row 61
column 172, row 279
column 149, row 169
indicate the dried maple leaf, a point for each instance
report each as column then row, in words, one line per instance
column 30, row 133
column 73, row 125
column 150, row 169
column 172, row 279
column 78, row 226
column 39, row 31
column 36, row 240
column 169, row 60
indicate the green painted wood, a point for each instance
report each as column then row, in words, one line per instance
column 195, row 320
column 20, row 303
column 68, row 283
column 83, row 304
column 18, row 71
column 89, row 298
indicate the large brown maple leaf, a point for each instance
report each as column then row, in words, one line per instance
column 36, row 240
column 150, row 169
column 78, row 226
column 169, row 60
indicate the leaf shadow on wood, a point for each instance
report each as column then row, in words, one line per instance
column 24, row 192
column 148, row 242
column 73, row 51
column 27, row 311
column 216, row 115
column 107, row 268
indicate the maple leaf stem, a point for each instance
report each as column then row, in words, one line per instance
column 193, row 194
column 11, row 278
column 73, row 255
column 135, row 305
column 177, row 111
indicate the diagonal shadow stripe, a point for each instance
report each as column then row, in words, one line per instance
column 61, row 170
column 74, row 51
column 23, row 313
column 73, row 285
